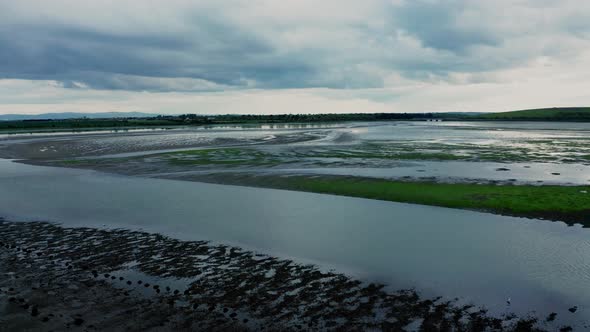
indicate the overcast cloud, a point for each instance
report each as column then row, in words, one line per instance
column 249, row 56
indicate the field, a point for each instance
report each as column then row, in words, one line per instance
column 542, row 114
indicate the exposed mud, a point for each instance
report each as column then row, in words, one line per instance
column 56, row 278
column 70, row 146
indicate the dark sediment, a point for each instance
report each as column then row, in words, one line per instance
column 220, row 288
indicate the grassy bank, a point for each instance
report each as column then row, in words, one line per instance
column 543, row 114
column 565, row 203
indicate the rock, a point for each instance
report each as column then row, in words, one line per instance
column 551, row 317
column 555, row 173
column 573, row 309
column 78, row 321
column 502, row 169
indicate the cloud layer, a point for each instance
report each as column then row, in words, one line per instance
column 382, row 52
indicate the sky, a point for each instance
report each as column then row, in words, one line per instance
column 296, row 56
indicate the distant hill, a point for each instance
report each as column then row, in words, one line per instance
column 71, row 115
column 555, row 114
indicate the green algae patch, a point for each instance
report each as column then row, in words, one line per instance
column 570, row 204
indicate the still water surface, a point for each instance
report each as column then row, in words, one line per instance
column 481, row 258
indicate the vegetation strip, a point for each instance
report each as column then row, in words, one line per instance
column 544, row 114
column 570, row 204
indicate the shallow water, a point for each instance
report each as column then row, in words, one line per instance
column 486, row 133
column 482, row 258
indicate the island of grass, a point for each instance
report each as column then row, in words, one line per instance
column 570, row 204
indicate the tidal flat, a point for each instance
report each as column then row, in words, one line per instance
column 147, row 281
column 533, row 170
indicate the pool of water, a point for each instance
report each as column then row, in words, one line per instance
column 481, row 258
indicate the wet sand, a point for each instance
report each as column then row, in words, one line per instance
column 56, row 278
column 71, row 145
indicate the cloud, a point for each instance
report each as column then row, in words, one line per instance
column 438, row 25
column 219, row 48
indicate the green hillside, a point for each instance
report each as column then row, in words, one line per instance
column 555, row 114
